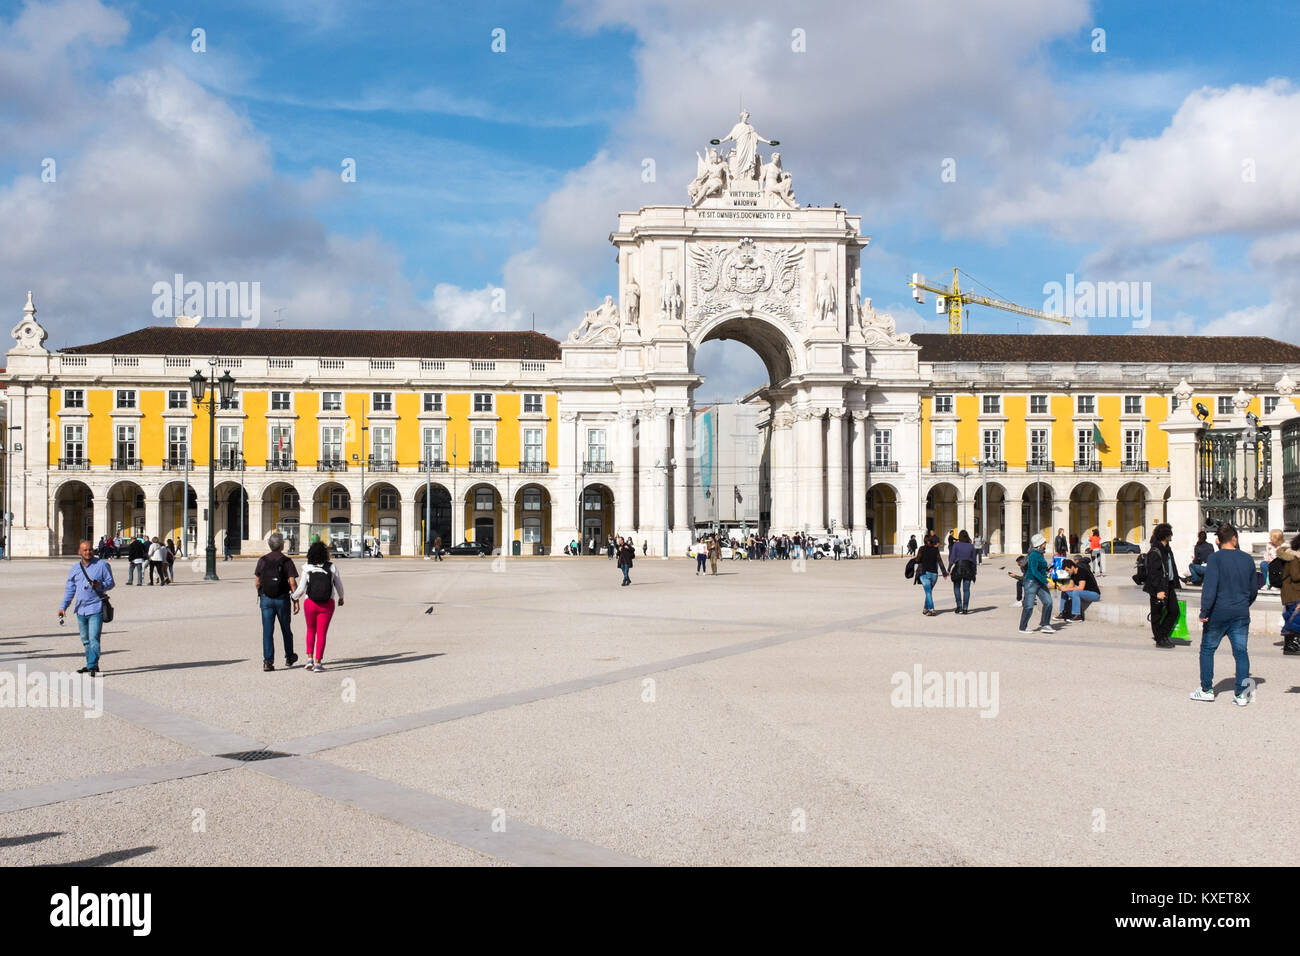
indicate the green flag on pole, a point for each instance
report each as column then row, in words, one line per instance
column 1097, row 438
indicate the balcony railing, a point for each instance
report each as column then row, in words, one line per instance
column 484, row 467
column 381, row 464
column 598, row 467
column 534, row 467
column 178, row 464
column 1041, row 465
column 74, row 464
column 994, row 466
column 1087, row 466
column 281, row 464
column 944, row 467
column 229, row 463
column 1135, row 466
column 883, row 466
column 125, row 464
column 435, row 464
column 331, row 464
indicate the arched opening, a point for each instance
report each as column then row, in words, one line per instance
column 433, row 522
column 232, row 517
column 597, row 503
column 1130, row 513
column 1085, row 513
column 126, row 511
column 381, row 518
column 180, row 518
column 1036, row 509
column 941, row 509
column 282, row 512
column 882, row 519
column 74, row 511
column 331, row 519
column 533, row 519
column 483, row 516
column 996, row 534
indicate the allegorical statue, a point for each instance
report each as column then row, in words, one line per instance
column 777, row 181
column 744, row 162
column 632, row 303
column 824, row 309
column 672, row 295
column 711, row 176
column 603, row 316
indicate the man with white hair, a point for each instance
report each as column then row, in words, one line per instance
column 275, row 579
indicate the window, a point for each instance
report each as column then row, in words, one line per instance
column 74, row 442
column 1225, row 405
column 591, row 500
column 282, row 443
column 289, row 500
column 1270, row 403
column 381, row 443
column 178, row 446
column 482, row 401
column 532, row 402
column 339, row 500
column 234, row 401
column 177, row 399
column 943, row 444
column 483, row 445
column 1085, row 452
column 433, row 401
column 532, row 531
column 533, row 445
column 533, row 499
column 126, row 442
column 596, row 445
column 388, row 500
column 331, row 401
column 1087, row 405
column 1037, row 446
column 381, row 401
column 943, row 404
column 1132, row 445
column 992, row 444
column 331, row 443
column 882, row 447
column 992, row 404
column 1037, row 404
column 281, row 402
column 1132, row 404
column 74, row 398
column 125, row 398
column 433, row 444
column 485, row 499
column 230, row 445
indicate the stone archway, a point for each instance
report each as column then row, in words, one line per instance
column 74, row 507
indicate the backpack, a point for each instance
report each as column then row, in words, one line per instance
column 1275, row 569
column 910, row 569
column 273, row 583
column 320, row 584
column 1140, row 575
column 962, row 570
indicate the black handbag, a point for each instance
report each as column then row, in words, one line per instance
column 107, row 610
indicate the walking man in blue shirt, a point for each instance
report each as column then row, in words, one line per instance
column 88, row 580
column 1229, row 591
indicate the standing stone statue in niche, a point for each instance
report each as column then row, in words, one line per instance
column 632, row 303
column 824, row 307
column 672, row 295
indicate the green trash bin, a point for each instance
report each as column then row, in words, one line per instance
column 514, row 548
column 1180, row 633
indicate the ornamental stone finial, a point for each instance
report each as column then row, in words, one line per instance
column 1240, row 401
column 1284, row 386
column 29, row 335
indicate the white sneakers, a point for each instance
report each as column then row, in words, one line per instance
column 1014, row 604
column 1241, row 700
column 1199, row 694
column 319, row 667
column 1047, row 629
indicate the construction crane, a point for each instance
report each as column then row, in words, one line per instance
column 953, row 300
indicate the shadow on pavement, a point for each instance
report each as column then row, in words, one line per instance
column 107, row 859
column 182, row 665
column 353, row 663
column 29, row 838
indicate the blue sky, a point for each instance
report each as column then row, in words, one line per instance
column 479, row 170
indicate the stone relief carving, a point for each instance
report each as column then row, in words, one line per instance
column 776, row 182
column 672, row 300
column 824, row 303
column 711, row 177
column 632, row 301
column 746, row 277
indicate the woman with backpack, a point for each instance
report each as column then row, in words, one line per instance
column 961, row 570
column 319, row 583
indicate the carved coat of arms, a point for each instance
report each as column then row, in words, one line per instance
column 746, row 277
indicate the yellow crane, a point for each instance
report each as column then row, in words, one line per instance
column 954, row 300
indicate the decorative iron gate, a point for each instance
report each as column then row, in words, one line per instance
column 1234, row 476
column 1291, row 474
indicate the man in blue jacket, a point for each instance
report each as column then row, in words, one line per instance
column 1226, row 596
column 87, row 581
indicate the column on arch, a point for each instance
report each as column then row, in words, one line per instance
column 858, row 477
column 408, row 545
column 835, row 467
column 624, row 472
column 682, row 473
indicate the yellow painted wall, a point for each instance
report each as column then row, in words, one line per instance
column 1108, row 412
column 1015, row 436
column 256, row 406
column 99, row 434
column 457, row 405
column 56, row 435
column 199, row 435
column 1062, row 409
column 407, row 447
column 552, row 406
column 508, row 407
column 306, row 428
column 967, row 439
column 1157, row 439
column 927, row 440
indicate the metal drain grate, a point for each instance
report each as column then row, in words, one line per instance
column 250, row 755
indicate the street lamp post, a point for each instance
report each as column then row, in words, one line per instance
column 200, row 386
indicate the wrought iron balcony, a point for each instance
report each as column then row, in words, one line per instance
column 125, row 464
column 229, row 463
column 883, row 466
column 1041, row 465
column 598, row 467
column 381, row 464
column 1133, row 465
column 281, row 464
column 433, row 464
column 994, row 466
column 331, row 464
column 534, row 467
column 484, row 467
column 1081, row 466
column 178, row 464
column 74, row 464
column 944, row 467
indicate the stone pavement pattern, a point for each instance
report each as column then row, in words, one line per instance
column 682, row 720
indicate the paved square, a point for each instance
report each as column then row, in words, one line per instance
column 542, row 714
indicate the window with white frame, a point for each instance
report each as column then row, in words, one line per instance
column 483, row 445
column 331, row 401
column 433, row 444
column 1225, row 405
column 532, row 402
column 1087, row 405
column 178, row 399
column 882, row 447
column 433, row 401
column 485, row 499
column 387, row 500
column 1037, row 404
column 331, row 443
column 281, row 401
column 229, row 448
column 943, row 404
column 126, row 446
column 1085, row 452
column 533, row 499
column 992, row 444
column 943, row 445
column 381, row 443
column 592, row 500
column 381, row 401
column 596, row 445
column 482, row 401
column 74, row 398
column 235, row 401
column 289, row 499
column 282, row 443
column 1270, row 403
column 533, row 445
column 1132, row 446
column 339, row 500
column 126, row 398
column 1132, row 404
column 992, row 404
column 74, row 442
column 532, row 531
column 178, row 446
column 1038, row 445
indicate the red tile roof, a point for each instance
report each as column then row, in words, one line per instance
column 1122, row 349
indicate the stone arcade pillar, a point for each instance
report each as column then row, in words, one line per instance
column 565, row 516
column 835, row 469
column 681, row 521
column 625, row 475
column 1184, row 503
column 407, row 537
column 858, row 479
column 810, row 468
